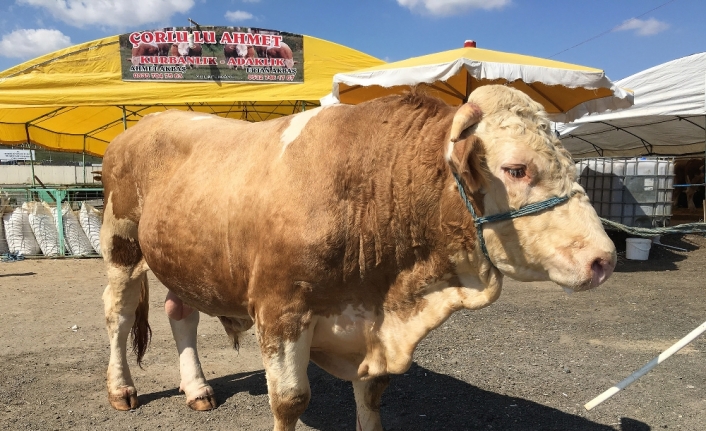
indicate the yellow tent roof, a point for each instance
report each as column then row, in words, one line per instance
column 566, row 90
column 74, row 99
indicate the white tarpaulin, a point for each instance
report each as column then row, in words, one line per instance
column 667, row 118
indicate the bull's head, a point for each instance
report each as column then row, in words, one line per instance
column 525, row 167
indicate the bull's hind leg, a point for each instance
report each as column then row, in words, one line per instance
column 184, row 321
column 367, row 399
column 126, row 304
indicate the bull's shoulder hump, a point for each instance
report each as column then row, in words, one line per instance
column 179, row 115
column 298, row 122
column 174, row 117
column 179, row 123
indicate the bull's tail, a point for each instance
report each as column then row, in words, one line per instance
column 141, row 331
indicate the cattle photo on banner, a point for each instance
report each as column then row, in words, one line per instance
column 210, row 53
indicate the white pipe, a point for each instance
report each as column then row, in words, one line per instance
column 642, row 371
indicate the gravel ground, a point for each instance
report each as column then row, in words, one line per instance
column 528, row 362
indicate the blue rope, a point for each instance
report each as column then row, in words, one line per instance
column 526, row 210
column 476, row 220
column 529, row 209
column 13, row 256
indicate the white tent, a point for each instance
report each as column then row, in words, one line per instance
column 668, row 117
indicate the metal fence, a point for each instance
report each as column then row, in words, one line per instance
column 634, row 191
column 50, row 222
column 46, row 167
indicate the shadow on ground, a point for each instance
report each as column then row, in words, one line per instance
column 224, row 387
column 23, row 274
column 424, row 400
column 418, row 400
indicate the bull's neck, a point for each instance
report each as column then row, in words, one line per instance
column 454, row 274
column 412, row 191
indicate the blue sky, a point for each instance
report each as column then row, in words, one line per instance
column 620, row 36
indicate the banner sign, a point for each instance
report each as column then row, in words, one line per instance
column 12, row 155
column 209, row 53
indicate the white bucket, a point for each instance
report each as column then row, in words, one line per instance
column 637, row 248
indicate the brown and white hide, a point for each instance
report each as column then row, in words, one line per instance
column 339, row 233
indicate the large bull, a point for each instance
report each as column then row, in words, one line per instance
column 344, row 234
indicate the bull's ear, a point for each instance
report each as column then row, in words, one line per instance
column 467, row 162
column 465, row 151
column 467, row 116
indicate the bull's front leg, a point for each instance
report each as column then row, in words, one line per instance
column 286, row 358
column 184, row 321
column 368, row 394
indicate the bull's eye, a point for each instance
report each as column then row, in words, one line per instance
column 515, row 171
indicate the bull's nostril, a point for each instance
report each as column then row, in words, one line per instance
column 601, row 269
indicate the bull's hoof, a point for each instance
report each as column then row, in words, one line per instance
column 124, row 399
column 200, row 404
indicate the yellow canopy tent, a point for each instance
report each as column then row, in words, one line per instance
column 76, row 100
column 567, row 91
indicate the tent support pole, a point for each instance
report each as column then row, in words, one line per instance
column 469, row 86
column 124, row 119
column 31, row 158
column 83, row 156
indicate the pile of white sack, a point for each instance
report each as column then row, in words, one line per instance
column 31, row 229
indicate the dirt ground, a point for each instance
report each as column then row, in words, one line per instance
column 528, row 362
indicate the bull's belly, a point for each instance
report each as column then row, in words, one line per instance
column 192, row 258
column 209, row 299
column 196, row 283
column 344, row 344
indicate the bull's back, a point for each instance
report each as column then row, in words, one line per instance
column 226, row 205
column 165, row 176
column 165, row 147
column 207, row 194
